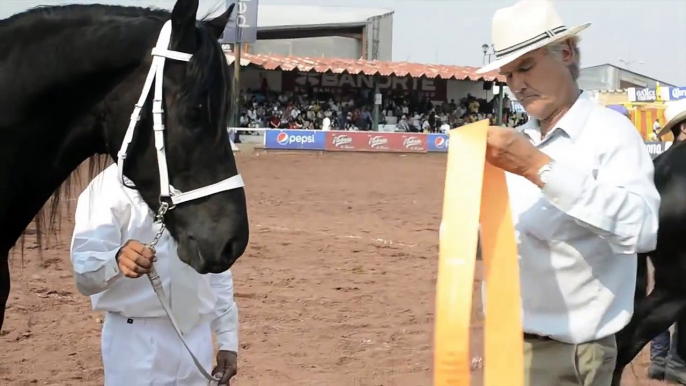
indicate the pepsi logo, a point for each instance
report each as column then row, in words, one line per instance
column 282, row 138
column 441, row 142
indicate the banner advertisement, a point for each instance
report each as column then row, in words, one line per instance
column 293, row 81
column 437, row 143
column 657, row 148
column 676, row 93
column 242, row 27
column 375, row 141
column 294, row 139
column 648, row 94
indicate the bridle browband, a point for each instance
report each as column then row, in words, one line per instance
column 169, row 196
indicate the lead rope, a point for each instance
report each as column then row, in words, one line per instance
column 159, row 291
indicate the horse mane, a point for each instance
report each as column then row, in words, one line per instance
column 48, row 20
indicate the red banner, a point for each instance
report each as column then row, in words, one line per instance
column 293, row 81
column 375, row 141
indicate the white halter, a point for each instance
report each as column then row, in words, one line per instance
column 156, row 74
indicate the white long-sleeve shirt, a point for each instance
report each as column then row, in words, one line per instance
column 107, row 215
column 577, row 237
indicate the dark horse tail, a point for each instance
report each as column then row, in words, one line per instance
column 641, row 277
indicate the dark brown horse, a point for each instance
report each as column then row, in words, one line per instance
column 70, row 77
column 666, row 303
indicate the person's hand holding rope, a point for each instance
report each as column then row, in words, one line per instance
column 227, row 366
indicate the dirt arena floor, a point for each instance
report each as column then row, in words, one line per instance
column 336, row 287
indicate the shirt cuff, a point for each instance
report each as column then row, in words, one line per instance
column 228, row 341
column 112, row 270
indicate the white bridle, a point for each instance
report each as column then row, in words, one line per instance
column 160, row 53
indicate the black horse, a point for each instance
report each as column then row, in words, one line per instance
column 666, row 303
column 70, row 77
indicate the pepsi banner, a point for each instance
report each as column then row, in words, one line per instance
column 437, row 143
column 295, row 139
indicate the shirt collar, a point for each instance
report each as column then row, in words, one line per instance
column 572, row 123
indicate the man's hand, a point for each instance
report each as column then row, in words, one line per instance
column 510, row 150
column 227, row 366
column 135, row 259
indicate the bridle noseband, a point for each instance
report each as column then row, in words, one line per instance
column 169, row 196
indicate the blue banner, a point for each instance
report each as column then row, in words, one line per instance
column 437, row 143
column 242, row 28
column 676, row 93
column 657, row 148
column 295, row 139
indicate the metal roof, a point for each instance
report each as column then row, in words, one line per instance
column 361, row 66
column 268, row 16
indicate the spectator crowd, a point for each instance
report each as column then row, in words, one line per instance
column 407, row 112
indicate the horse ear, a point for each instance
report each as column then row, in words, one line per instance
column 183, row 25
column 217, row 25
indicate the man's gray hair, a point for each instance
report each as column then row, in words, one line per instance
column 555, row 49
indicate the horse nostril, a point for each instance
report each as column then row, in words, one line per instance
column 227, row 251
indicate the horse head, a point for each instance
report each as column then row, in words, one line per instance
column 212, row 229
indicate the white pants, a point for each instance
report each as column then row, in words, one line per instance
column 147, row 351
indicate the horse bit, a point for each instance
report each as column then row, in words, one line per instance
column 161, row 52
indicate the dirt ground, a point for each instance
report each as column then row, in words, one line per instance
column 336, row 288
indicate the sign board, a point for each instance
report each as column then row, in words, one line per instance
column 476, row 195
column 647, row 94
column 657, row 148
column 676, row 93
column 242, row 28
column 295, row 139
column 374, row 141
column 378, row 99
column 293, row 81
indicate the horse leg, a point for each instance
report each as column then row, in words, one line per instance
column 652, row 315
column 4, row 285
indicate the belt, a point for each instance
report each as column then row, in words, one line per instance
column 529, row 336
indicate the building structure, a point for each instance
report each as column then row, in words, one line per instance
column 330, row 32
column 610, row 77
column 437, row 82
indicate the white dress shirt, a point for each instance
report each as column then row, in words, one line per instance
column 577, row 237
column 107, row 215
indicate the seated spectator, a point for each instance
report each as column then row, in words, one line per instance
column 354, row 111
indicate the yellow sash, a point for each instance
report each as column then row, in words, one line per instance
column 465, row 205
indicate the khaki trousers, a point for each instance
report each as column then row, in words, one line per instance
column 551, row 363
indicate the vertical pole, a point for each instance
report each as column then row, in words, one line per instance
column 236, row 87
column 501, row 95
column 375, row 126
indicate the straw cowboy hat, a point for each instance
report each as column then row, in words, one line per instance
column 524, row 27
column 675, row 113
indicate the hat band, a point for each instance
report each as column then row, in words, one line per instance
column 536, row 39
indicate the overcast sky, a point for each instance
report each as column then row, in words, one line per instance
column 452, row 31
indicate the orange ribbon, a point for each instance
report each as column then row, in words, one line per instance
column 476, row 192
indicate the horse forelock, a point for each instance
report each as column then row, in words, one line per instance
column 207, row 78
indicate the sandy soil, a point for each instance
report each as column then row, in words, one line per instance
column 336, row 288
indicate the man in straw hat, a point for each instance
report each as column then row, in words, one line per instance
column 675, row 115
column 665, row 362
column 580, row 181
